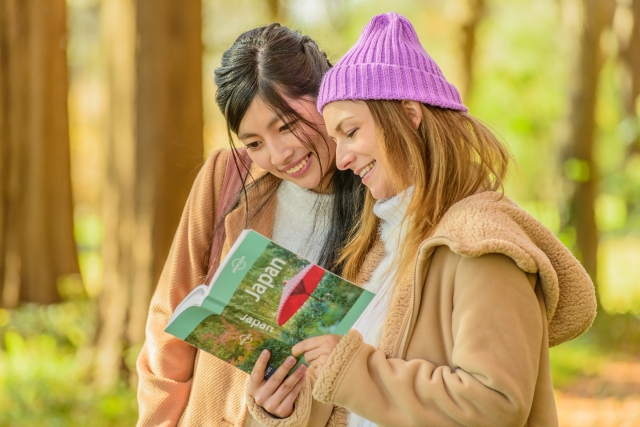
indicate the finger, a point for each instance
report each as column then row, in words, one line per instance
column 272, row 403
column 278, row 376
column 312, row 356
column 291, row 397
column 287, row 386
column 257, row 373
column 306, row 345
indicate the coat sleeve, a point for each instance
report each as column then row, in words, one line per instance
column 498, row 330
column 165, row 364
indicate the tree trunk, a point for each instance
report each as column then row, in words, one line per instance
column 630, row 55
column 275, row 11
column 37, row 246
column 155, row 146
column 475, row 13
column 597, row 15
column 118, row 22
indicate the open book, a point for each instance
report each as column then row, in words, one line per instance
column 265, row 297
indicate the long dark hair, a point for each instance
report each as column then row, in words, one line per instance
column 272, row 62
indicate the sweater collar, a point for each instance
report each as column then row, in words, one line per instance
column 391, row 211
column 301, row 195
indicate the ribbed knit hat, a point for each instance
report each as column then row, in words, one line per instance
column 388, row 62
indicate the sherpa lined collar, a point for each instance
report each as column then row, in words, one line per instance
column 490, row 222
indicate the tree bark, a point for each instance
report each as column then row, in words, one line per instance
column 118, row 22
column 37, row 246
column 630, row 55
column 597, row 15
column 475, row 13
column 275, row 11
column 155, row 146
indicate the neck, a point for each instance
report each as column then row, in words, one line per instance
column 326, row 185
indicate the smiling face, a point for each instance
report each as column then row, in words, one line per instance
column 273, row 145
column 351, row 125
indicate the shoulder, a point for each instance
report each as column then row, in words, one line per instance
column 216, row 164
column 206, row 187
column 490, row 223
column 211, row 174
column 458, row 269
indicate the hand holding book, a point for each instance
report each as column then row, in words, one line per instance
column 316, row 350
column 278, row 394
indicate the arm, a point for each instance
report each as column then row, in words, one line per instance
column 497, row 325
column 165, row 364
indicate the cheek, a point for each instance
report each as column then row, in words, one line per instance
column 261, row 158
column 328, row 152
column 324, row 146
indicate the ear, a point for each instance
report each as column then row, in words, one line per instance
column 413, row 109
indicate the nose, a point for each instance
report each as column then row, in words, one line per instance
column 281, row 152
column 344, row 157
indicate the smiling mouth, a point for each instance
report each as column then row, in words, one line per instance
column 366, row 169
column 299, row 166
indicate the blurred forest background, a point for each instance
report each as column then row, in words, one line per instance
column 107, row 112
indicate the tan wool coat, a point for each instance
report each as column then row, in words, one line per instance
column 467, row 337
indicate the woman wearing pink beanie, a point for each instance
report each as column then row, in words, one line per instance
column 471, row 291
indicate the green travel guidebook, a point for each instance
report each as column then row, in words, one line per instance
column 265, row 297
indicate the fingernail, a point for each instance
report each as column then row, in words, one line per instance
column 301, row 368
column 265, row 353
column 291, row 360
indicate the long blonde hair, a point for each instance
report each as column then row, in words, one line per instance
column 450, row 156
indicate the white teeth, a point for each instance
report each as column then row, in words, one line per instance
column 366, row 169
column 298, row 166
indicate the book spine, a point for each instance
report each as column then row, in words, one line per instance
column 187, row 321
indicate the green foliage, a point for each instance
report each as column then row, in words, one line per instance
column 618, row 257
column 44, row 370
column 329, row 303
column 575, row 359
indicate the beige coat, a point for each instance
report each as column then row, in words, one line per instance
column 467, row 339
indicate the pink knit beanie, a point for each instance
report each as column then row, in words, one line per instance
column 388, row 62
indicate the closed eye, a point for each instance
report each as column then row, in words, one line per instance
column 352, row 133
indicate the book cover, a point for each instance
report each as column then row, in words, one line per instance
column 265, row 297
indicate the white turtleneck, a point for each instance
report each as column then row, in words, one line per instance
column 302, row 220
column 391, row 213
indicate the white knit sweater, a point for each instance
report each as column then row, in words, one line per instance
column 391, row 212
column 302, row 220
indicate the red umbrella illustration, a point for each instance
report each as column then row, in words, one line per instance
column 297, row 291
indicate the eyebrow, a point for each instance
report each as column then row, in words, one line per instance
column 342, row 121
column 273, row 121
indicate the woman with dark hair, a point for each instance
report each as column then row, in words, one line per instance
column 267, row 88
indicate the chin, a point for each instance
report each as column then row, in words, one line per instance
column 379, row 194
column 304, row 182
column 375, row 194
